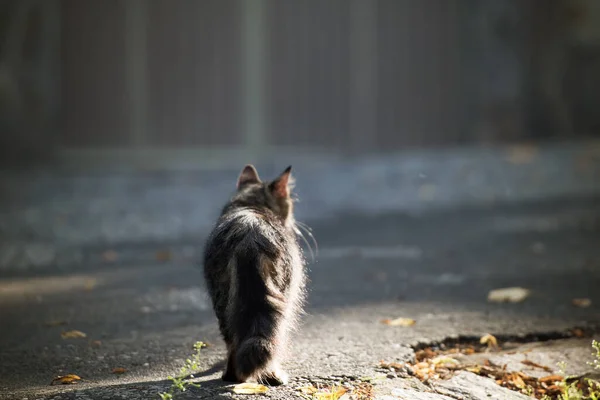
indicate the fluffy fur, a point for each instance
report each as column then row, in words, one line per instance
column 254, row 271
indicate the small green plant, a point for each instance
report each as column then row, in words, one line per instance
column 581, row 389
column 180, row 382
column 596, row 362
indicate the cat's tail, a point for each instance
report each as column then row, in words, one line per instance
column 257, row 313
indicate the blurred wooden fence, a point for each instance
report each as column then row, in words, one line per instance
column 339, row 75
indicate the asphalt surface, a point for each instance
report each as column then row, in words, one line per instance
column 437, row 268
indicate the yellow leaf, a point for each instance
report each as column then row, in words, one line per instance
column 583, row 302
column 89, row 284
column 308, row 389
column 119, row 370
column 441, row 360
column 510, row 295
column 330, row 394
column 489, row 340
column 399, row 322
column 65, row 380
column 250, row 388
column 74, row 334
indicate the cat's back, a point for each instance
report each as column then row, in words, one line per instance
column 244, row 229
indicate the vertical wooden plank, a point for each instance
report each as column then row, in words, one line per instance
column 136, row 17
column 95, row 110
column 254, row 47
column 363, row 73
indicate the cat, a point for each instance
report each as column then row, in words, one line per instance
column 255, row 274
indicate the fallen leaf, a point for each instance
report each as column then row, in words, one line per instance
column 118, row 370
column 578, row 332
column 307, row 390
column 399, row 322
column 110, row 256
column 536, row 365
column 89, row 284
column 96, row 343
column 551, row 379
column 363, row 390
column 250, row 388
column 65, row 380
column 510, row 295
column 74, row 334
column 521, row 154
column 163, row 255
column 56, row 322
column 582, row 302
column 329, row 394
column 442, row 361
column 394, row 365
column 489, row 340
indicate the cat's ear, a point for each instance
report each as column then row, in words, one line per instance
column 281, row 186
column 248, row 175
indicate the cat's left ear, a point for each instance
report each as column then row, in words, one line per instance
column 281, row 186
column 248, row 175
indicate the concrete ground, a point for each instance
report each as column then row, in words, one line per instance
column 143, row 306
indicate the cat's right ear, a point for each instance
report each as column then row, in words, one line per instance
column 248, row 175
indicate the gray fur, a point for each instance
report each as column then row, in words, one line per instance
column 254, row 271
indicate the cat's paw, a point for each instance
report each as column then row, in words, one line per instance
column 276, row 377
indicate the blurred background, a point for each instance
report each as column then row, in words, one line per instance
column 101, row 79
column 441, row 149
column 128, row 121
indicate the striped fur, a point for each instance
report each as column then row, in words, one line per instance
column 254, row 271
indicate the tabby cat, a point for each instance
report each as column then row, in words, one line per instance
column 254, row 271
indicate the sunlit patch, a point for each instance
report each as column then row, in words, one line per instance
column 19, row 289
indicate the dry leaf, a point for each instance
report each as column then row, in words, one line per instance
column 110, row 256
column 489, row 340
column 522, row 154
column 74, row 334
column 65, row 380
column 96, row 343
column 583, row 302
column 56, row 322
column 536, row 365
column 307, row 390
column 394, row 365
column 329, row 394
column 250, row 388
column 118, row 370
column 399, row 322
column 444, row 360
column 89, row 284
column 578, row 332
column 163, row 255
column 551, row 379
column 510, row 295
